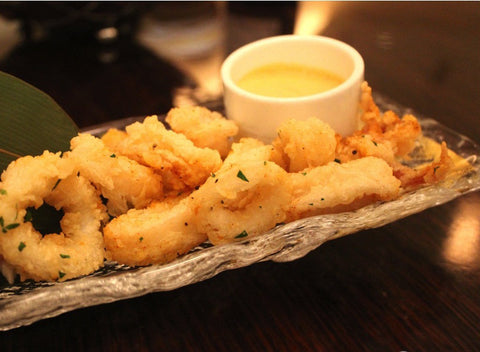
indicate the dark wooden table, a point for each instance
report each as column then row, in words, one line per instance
column 413, row 285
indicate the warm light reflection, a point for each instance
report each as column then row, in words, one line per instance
column 313, row 17
column 107, row 34
column 196, row 46
column 10, row 35
column 462, row 246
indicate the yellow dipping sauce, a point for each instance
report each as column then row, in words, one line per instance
column 282, row 80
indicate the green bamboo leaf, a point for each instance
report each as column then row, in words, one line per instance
column 30, row 121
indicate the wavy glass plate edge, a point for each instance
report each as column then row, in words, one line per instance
column 283, row 243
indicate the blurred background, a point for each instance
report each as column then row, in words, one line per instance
column 108, row 60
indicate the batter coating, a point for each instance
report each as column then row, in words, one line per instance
column 79, row 248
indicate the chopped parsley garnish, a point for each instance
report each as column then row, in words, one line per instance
column 337, row 160
column 374, row 143
column 241, row 176
column 61, row 274
column 3, row 192
column 5, row 228
column 21, row 246
column 56, row 184
column 435, row 169
column 242, row 234
column 64, row 256
column 140, row 239
column 113, row 155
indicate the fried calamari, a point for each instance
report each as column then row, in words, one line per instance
column 205, row 128
column 303, row 144
column 335, row 187
column 168, row 191
column 182, row 165
column 78, row 249
column 155, row 235
column 247, row 196
column 122, row 181
column 391, row 138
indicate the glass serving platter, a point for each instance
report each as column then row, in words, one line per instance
column 25, row 303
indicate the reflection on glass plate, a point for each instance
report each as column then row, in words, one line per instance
column 24, row 303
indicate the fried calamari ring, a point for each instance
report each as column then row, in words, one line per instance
column 113, row 138
column 78, row 249
column 247, row 196
column 183, row 166
column 335, row 188
column 302, row 144
column 157, row 234
column 241, row 201
column 123, row 182
column 249, row 149
column 28, row 180
column 205, row 128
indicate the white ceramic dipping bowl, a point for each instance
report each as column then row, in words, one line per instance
column 259, row 116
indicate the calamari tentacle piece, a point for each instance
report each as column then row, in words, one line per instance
column 383, row 135
column 400, row 132
column 430, row 173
